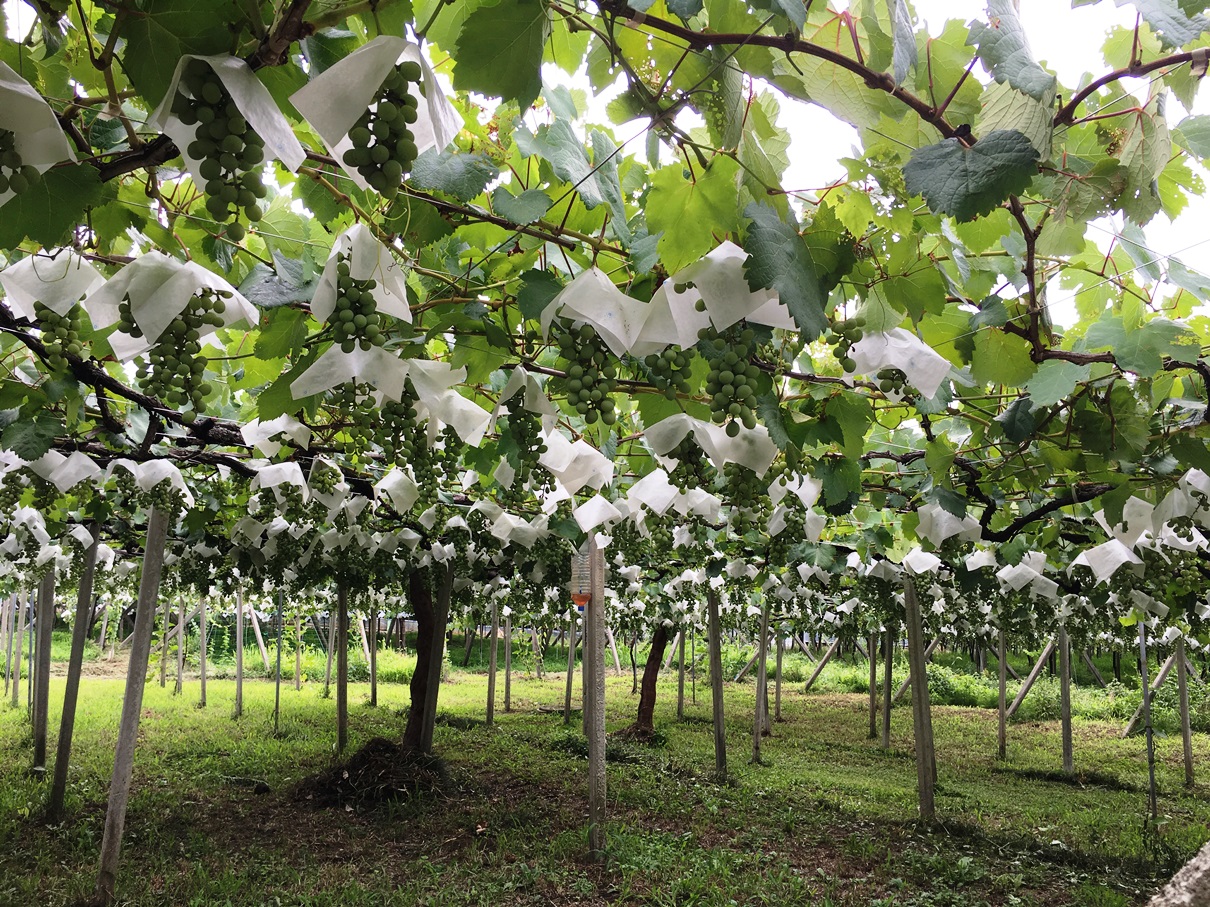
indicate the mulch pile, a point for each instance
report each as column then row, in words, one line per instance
column 380, row 772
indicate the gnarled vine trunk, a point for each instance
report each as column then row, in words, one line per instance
column 644, row 722
column 431, row 618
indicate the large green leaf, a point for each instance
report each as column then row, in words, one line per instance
column 48, row 211
column 1173, row 24
column 1005, row 52
column 461, row 175
column 778, row 260
column 1001, row 358
column 968, row 182
column 693, row 211
column 563, row 150
column 164, row 30
column 499, row 51
column 32, row 435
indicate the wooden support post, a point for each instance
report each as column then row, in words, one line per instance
column 1002, row 698
column 805, row 651
column 1065, row 699
column 6, row 635
column 747, row 667
column 680, row 679
column 1039, row 665
column 260, row 640
column 1152, row 799
column 132, row 704
column 45, row 622
column 714, row 629
column 907, row 681
column 890, row 638
column 613, row 647
column 373, row 622
column 1092, row 669
column 672, row 651
column 239, row 652
column 363, row 638
column 777, row 682
column 180, row 651
column 79, row 635
column 491, row 663
column 922, row 722
column 539, row 655
column 164, row 646
column 331, row 654
column 1182, row 687
column 342, row 668
column 594, row 699
column 571, row 666
column 823, row 663
column 508, row 663
column 762, row 679
column 873, row 686
column 20, row 632
column 201, row 651
column 298, row 652
column 1165, row 669
column 277, row 673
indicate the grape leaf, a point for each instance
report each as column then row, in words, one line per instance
column 461, row 175
column 282, row 335
column 968, row 182
column 1193, row 134
column 1018, row 420
column 520, row 209
column 778, row 260
column 32, row 436
column 686, row 9
column 284, row 285
column 499, row 51
column 1055, row 380
column 1004, row 50
column 693, row 214
column 1171, row 23
column 904, row 36
column 48, row 210
column 164, row 30
column 560, row 146
column 1001, row 358
column 538, row 288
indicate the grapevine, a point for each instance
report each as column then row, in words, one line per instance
column 844, row 334
column 355, row 320
column 670, row 371
column 591, row 376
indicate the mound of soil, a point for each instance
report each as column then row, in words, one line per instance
column 380, row 772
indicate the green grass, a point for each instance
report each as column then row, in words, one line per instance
column 828, row 820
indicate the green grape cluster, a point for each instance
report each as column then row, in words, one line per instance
column 324, row 479
column 591, row 375
column 400, row 435
column 15, row 174
column 525, row 429
column 165, row 497
column 731, row 383
column 175, row 368
column 659, row 536
column 60, row 335
column 743, row 489
column 226, row 146
column 692, row 469
column 355, row 320
column 670, row 370
column 355, row 402
column 384, row 148
column 11, row 489
column 841, row 336
column 891, row 381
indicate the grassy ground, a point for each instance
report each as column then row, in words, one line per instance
column 828, row 820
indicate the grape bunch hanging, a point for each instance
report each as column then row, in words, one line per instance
column 175, row 367
column 591, row 376
column 355, row 402
column 842, row 336
column 731, row 383
column 525, row 430
column 401, row 435
column 226, row 146
column 670, row 371
column 60, row 334
column 384, row 147
column 355, row 320
column 15, row 174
